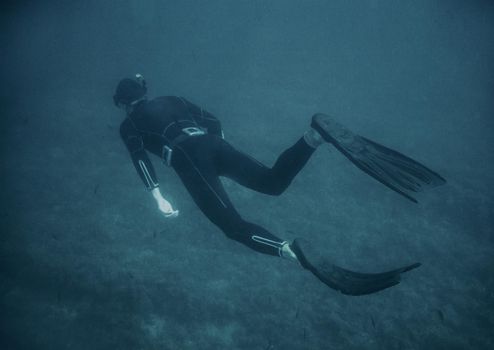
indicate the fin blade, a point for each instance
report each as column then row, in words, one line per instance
column 346, row 281
column 393, row 169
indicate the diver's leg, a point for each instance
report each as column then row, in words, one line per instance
column 199, row 177
column 248, row 172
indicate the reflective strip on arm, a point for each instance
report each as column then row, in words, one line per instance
column 147, row 176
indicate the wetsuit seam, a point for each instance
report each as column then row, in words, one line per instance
column 192, row 115
column 202, row 177
column 166, row 129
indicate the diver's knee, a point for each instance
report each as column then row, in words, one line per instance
column 277, row 191
column 277, row 188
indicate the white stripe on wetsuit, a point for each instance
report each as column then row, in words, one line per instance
column 269, row 242
column 151, row 184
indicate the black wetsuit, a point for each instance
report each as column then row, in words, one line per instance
column 200, row 160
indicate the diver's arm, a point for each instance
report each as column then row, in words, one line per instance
column 147, row 173
column 141, row 162
column 145, row 168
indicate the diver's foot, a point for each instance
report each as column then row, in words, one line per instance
column 330, row 130
column 313, row 138
column 287, row 252
column 323, row 129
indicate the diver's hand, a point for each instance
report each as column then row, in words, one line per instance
column 163, row 205
column 166, row 208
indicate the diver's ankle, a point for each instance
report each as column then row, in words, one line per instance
column 313, row 138
column 287, row 252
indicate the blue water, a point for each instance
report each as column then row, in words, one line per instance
column 87, row 262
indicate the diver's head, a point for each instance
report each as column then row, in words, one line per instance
column 129, row 92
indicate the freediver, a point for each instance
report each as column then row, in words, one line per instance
column 191, row 141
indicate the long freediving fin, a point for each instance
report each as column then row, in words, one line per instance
column 346, row 281
column 395, row 170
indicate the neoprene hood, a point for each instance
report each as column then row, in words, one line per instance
column 129, row 90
